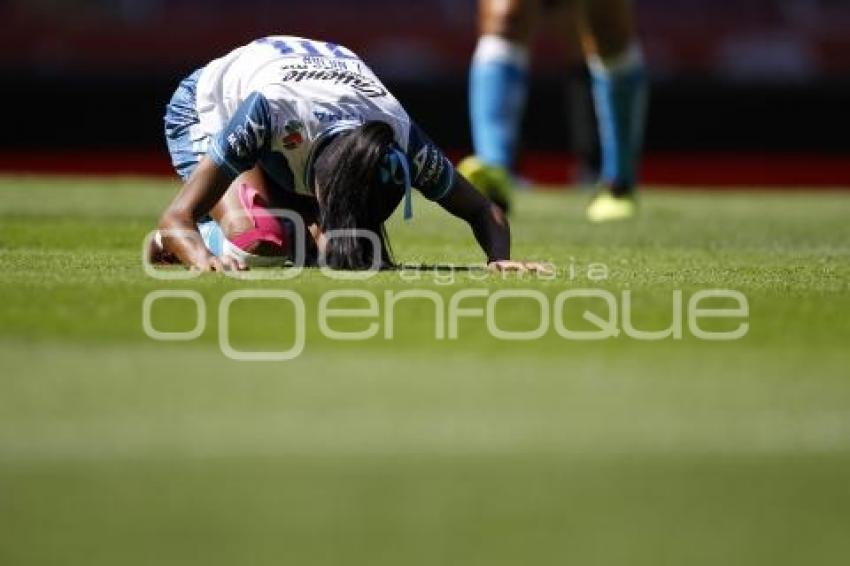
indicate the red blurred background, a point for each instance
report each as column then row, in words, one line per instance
column 750, row 92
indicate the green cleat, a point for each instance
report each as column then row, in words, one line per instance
column 605, row 207
column 492, row 181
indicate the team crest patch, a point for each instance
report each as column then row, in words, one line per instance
column 294, row 134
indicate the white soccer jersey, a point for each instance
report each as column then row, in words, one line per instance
column 272, row 101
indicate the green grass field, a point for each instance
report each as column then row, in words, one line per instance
column 119, row 449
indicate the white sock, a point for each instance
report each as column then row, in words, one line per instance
column 494, row 48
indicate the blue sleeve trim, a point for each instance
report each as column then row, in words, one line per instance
column 449, row 185
column 219, row 159
column 248, row 133
column 432, row 172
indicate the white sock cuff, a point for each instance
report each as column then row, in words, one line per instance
column 249, row 259
column 497, row 49
column 628, row 60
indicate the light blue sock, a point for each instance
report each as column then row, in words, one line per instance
column 498, row 87
column 620, row 94
column 213, row 236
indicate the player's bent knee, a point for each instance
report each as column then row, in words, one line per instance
column 267, row 235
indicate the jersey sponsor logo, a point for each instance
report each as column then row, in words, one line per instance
column 294, row 134
column 364, row 85
column 337, row 116
column 323, row 63
column 246, row 138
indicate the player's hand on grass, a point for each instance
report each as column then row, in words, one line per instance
column 509, row 266
column 223, row 263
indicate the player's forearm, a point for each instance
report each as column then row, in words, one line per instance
column 488, row 222
column 493, row 233
column 180, row 237
column 178, row 225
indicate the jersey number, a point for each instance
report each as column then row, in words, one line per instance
column 308, row 48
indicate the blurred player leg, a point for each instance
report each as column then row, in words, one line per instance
column 561, row 21
column 498, row 90
column 499, row 77
column 583, row 132
column 242, row 226
column 620, row 90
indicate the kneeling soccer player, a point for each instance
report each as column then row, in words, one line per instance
column 499, row 83
column 292, row 123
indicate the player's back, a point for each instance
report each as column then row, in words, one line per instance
column 295, row 72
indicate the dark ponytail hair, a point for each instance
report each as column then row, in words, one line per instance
column 351, row 196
